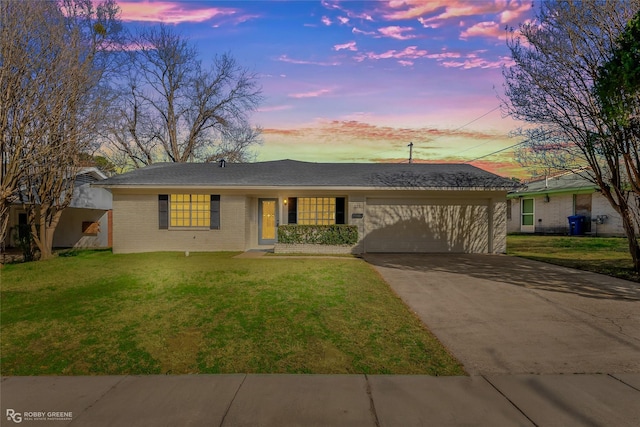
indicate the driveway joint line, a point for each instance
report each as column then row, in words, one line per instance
column 623, row 382
column 579, row 315
column 91, row 405
column 232, row 400
column 372, row 405
column 509, row 400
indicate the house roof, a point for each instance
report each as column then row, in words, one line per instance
column 571, row 182
column 290, row 173
column 82, row 176
column 89, row 174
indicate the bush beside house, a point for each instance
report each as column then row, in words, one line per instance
column 320, row 239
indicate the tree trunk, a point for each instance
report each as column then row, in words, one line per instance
column 632, row 237
column 4, row 221
column 47, row 223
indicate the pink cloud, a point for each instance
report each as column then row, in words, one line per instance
column 313, row 94
column 285, row 58
column 354, row 30
column 445, row 58
column 474, row 61
column 489, row 29
column 348, row 46
column 411, row 52
column 339, row 129
column 511, row 15
column 326, row 21
column 274, row 108
column 396, row 32
column 411, row 9
column 444, row 55
column 426, row 24
column 343, row 20
column 351, row 14
column 506, row 10
column 169, row 12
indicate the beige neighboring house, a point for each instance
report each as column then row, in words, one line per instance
column 544, row 206
column 84, row 224
column 238, row 207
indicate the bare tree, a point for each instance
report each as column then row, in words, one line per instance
column 558, row 60
column 173, row 108
column 51, row 67
column 235, row 144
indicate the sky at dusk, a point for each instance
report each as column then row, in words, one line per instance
column 357, row 81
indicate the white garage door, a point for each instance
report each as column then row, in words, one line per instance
column 426, row 225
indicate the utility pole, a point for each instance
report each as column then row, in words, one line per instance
column 410, row 152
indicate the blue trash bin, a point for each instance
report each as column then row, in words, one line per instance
column 576, row 225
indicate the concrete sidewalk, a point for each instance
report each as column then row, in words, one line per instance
column 322, row 400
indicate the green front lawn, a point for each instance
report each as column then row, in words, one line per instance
column 605, row 255
column 99, row 313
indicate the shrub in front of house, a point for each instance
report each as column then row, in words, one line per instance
column 337, row 234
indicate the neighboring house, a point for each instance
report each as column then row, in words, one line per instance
column 84, row 224
column 237, row 207
column 544, row 206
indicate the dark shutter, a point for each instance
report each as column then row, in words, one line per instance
column 340, row 214
column 163, row 211
column 214, row 210
column 292, row 210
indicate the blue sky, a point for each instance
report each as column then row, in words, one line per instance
column 359, row 80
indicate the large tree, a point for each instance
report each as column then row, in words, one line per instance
column 558, row 59
column 174, row 108
column 618, row 90
column 53, row 57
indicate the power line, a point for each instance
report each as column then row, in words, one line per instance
column 453, row 131
column 474, row 120
column 496, row 152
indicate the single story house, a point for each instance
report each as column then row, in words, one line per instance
column 237, row 207
column 83, row 224
column 544, row 206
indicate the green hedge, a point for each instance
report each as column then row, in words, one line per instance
column 318, row 234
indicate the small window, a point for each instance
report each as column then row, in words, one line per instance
column 90, row 228
column 527, row 212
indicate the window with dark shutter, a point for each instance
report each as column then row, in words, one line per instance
column 163, row 211
column 215, row 212
column 340, row 214
column 292, row 217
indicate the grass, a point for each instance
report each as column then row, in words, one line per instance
column 605, row 255
column 93, row 313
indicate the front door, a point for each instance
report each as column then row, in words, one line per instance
column 267, row 221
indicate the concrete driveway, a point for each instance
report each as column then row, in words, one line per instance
column 506, row 315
